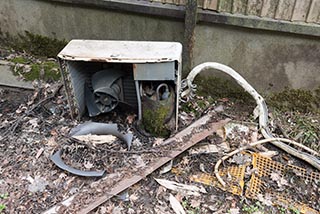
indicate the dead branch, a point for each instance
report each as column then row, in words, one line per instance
column 216, row 168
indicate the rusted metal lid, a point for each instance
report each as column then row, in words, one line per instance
column 121, row 51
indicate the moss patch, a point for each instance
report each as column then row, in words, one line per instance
column 154, row 121
column 20, row 60
column 296, row 100
column 218, row 88
column 47, row 71
column 36, row 44
column 197, row 106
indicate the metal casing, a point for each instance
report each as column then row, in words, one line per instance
column 80, row 58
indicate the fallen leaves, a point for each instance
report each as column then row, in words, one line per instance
column 182, row 188
column 176, row 206
column 38, row 184
column 279, row 179
column 240, row 159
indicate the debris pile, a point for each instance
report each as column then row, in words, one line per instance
column 46, row 156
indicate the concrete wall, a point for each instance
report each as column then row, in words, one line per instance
column 70, row 22
column 264, row 58
column 268, row 60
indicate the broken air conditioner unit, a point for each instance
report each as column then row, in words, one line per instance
column 101, row 75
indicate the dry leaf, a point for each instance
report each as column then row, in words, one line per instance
column 53, row 132
column 240, row 159
column 234, row 211
column 183, row 188
column 266, row 200
column 88, row 165
column 96, row 139
column 204, row 149
column 139, row 163
column 269, row 154
column 158, row 141
column 51, row 142
column 166, row 168
column 195, row 203
column 34, row 123
column 130, row 118
column 275, row 176
column 176, row 206
column 40, row 151
column 133, row 197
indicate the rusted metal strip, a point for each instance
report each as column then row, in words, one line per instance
column 199, row 134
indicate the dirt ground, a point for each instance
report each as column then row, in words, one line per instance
column 35, row 124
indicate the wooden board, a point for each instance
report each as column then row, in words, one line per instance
column 210, row 4
column 301, row 10
column 254, row 7
column 129, row 181
column 225, row 6
column 239, row 6
column 314, row 12
column 285, row 9
column 269, row 8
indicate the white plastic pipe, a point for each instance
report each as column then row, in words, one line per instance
column 261, row 105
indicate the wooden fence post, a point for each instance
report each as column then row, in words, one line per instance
column 189, row 33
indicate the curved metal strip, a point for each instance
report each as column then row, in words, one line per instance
column 56, row 158
column 100, row 129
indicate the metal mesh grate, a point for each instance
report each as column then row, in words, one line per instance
column 259, row 181
column 235, row 179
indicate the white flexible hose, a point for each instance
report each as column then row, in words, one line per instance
column 189, row 89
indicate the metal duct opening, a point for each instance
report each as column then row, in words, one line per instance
column 106, row 91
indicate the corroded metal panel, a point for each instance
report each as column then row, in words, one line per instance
column 121, row 51
column 154, row 71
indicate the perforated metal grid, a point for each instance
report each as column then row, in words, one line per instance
column 258, row 181
column 265, row 167
column 234, row 175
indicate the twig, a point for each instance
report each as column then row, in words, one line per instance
column 14, row 126
column 216, row 168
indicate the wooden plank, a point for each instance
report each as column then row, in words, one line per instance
column 156, row 1
column 269, row 8
column 169, row 1
column 127, row 182
column 182, row 2
column 314, row 12
column 239, row 6
column 210, row 4
column 200, row 3
column 225, row 6
column 254, row 7
column 285, row 9
column 301, row 10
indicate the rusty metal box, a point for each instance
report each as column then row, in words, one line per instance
column 141, row 62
